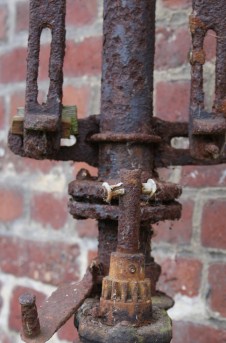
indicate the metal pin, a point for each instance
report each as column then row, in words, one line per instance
column 29, row 313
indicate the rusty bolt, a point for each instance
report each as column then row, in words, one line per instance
column 132, row 269
column 29, row 313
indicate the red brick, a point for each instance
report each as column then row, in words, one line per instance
column 68, row 332
column 43, row 71
column 92, row 254
column 172, row 100
column 13, row 66
column 81, row 12
column 52, row 263
column 22, row 16
column 3, row 24
column 26, row 164
column 177, row 4
column 182, row 275
column 179, row 231
column 188, row 332
column 2, row 112
column 202, row 176
column 49, row 210
column 172, row 47
column 15, row 309
column 83, row 58
column 11, row 204
column 217, row 284
column 79, row 97
column 87, row 228
column 35, row 165
column 213, row 224
column 210, row 45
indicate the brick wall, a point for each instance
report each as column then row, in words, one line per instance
column 40, row 244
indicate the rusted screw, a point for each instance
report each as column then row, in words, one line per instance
column 29, row 313
column 132, row 269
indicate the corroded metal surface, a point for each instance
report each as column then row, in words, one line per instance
column 129, row 212
column 94, row 191
column 86, row 150
column 29, row 314
column 166, row 155
column 207, row 130
column 92, row 329
column 40, row 139
column 126, row 292
column 61, row 305
column 161, row 211
column 127, row 83
column 82, row 151
column 125, row 136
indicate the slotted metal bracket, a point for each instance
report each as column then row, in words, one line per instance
column 207, row 130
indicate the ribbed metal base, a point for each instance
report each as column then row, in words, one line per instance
column 92, row 330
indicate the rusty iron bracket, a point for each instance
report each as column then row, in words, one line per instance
column 86, row 149
column 42, row 124
column 40, row 326
column 207, row 130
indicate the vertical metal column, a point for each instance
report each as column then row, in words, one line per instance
column 126, row 99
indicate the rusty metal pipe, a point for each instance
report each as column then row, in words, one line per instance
column 127, row 83
column 126, row 97
column 129, row 212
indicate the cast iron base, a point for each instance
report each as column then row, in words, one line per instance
column 92, row 330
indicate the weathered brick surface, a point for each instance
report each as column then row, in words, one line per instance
column 13, row 66
column 172, row 100
column 213, row 224
column 176, row 232
column 78, row 96
column 188, row 332
column 181, row 275
column 172, row 47
column 49, row 262
column 47, row 209
column 81, row 12
column 203, row 176
column 217, row 288
column 175, row 4
column 83, row 58
column 22, row 16
column 11, row 204
column 39, row 241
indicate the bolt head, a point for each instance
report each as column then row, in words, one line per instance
column 27, row 299
column 132, row 269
